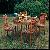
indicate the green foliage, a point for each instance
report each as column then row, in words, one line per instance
column 33, row 8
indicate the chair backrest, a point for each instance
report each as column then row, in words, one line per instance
column 14, row 20
column 33, row 21
column 5, row 25
column 32, row 24
column 42, row 19
column 5, row 17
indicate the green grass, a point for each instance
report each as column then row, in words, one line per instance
column 12, row 41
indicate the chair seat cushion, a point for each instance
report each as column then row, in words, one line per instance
column 8, row 29
column 29, row 31
column 40, row 25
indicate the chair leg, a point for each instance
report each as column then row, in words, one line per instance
column 39, row 29
column 30, row 39
column 15, row 29
column 7, row 33
column 21, row 27
column 44, row 30
column 26, row 27
column 21, row 39
column 26, row 37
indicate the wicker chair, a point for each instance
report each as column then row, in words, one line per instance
column 29, row 30
column 41, row 22
column 7, row 28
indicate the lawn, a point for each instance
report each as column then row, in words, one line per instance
column 11, row 41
